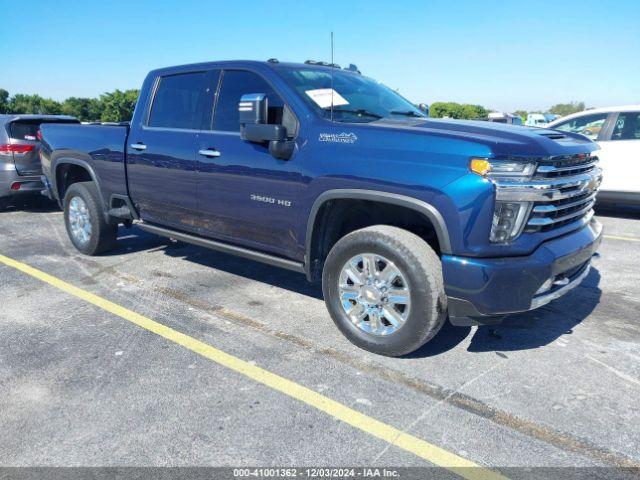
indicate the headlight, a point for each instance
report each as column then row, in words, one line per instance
column 508, row 217
column 508, row 220
column 510, row 169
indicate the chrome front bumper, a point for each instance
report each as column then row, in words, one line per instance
column 480, row 288
column 545, row 298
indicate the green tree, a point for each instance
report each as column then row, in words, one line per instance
column 21, row 103
column 84, row 109
column 522, row 114
column 563, row 109
column 457, row 110
column 4, row 101
column 118, row 106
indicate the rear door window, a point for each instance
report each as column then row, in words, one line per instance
column 178, row 101
column 627, row 126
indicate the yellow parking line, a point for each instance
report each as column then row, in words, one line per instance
column 626, row 239
column 423, row 449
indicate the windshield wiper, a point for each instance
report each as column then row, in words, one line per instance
column 408, row 113
column 359, row 111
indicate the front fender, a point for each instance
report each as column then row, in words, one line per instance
column 426, row 209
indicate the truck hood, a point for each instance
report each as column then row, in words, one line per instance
column 503, row 140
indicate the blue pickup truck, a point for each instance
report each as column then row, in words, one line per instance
column 407, row 221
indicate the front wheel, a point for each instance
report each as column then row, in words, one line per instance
column 384, row 290
column 86, row 226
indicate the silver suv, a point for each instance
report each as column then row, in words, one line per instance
column 19, row 160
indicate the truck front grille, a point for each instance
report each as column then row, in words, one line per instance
column 560, row 192
column 574, row 199
column 566, row 166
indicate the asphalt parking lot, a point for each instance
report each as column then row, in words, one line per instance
column 86, row 383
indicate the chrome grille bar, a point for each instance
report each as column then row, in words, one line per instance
column 553, row 169
column 549, row 190
column 560, row 194
column 566, row 206
column 544, row 221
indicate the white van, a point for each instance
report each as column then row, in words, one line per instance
column 501, row 117
column 539, row 119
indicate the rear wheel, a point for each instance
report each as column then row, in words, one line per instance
column 86, row 226
column 384, row 290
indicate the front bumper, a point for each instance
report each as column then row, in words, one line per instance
column 486, row 287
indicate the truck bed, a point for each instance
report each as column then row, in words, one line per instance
column 100, row 148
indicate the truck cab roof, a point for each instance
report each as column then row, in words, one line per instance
column 246, row 64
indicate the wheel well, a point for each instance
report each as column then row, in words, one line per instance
column 337, row 218
column 67, row 174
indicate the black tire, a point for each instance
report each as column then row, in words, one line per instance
column 103, row 235
column 420, row 266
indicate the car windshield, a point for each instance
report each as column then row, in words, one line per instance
column 356, row 98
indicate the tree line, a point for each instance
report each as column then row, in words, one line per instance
column 116, row 106
column 468, row 112
column 463, row 111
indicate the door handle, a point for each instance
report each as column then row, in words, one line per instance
column 209, row 153
column 138, row 146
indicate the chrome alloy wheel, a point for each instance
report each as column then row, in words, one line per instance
column 79, row 220
column 374, row 294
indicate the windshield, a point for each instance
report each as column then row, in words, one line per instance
column 356, row 98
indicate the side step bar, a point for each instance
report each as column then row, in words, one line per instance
column 121, row 212
column 224, row 247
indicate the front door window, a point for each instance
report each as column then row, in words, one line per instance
column 587, row 125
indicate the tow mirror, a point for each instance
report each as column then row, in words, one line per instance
column 263, row 133
column 253, row 108
column 254, row 127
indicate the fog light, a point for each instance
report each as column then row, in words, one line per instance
column 508, row 220
column 16, row 186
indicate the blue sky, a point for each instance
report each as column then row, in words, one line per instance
column 501, row 54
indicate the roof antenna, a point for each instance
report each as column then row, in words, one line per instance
column 332, row 66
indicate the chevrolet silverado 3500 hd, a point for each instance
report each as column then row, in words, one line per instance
column 407, row 220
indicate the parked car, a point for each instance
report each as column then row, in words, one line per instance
column 19, row 161
column 501, row 117
column 617, row 132
column 539, row 119
column 405, row 219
